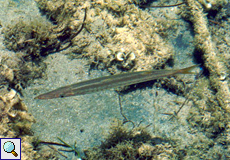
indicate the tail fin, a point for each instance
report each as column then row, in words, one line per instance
column 188, row 70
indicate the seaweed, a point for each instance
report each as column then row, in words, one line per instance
column 136, row 143
column 39, row 37
column 38, row 142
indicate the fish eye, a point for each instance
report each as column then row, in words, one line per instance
column 61, row 96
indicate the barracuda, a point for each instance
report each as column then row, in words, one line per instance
column 114, row 81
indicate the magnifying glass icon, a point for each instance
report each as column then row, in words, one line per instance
column 9, row 147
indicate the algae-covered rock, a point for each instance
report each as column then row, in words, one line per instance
column 137, row 143
column 17, row 73
column 210, row 113
column 32, row 38
column 14, row 113
column 98, row 30
column 15, row 122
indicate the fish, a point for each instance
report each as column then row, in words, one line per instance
column 112, row 81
